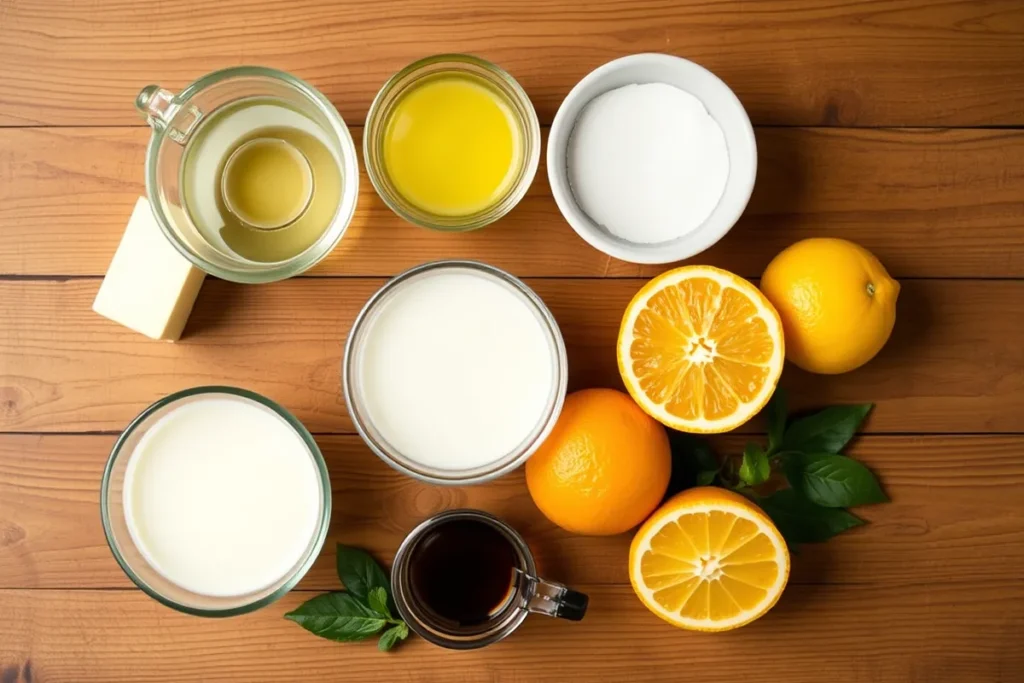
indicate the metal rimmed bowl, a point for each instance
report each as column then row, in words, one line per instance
column 132, row 559
column 353, row 387
column 487, row 74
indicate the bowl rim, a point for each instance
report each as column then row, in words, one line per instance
column 376, row 119
column 715, row 227
column 434, row 475
column 319, row 537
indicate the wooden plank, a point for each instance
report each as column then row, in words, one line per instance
column 888, row 62
column 965, row 632
column 937, row 203
column 949, row 368
column 955, row 513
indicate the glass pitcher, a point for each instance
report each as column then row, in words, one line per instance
column 526, row 594
column 175, row 118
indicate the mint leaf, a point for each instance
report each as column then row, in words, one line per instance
column 706, row 478
column 827, row 431
column 833, row 481
column 360, row 573
column 776, row 414
column 755, row 468
column 378, row 601
column 337, row 616
column 801, row 521
column 391, row 637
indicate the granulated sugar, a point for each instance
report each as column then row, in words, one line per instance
column 647, row 162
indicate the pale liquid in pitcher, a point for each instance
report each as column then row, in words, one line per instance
column 222, row 497
column 259, row 180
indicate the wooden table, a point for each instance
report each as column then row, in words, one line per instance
column 895, row 123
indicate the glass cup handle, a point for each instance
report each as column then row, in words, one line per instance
column 160, row 107
column 554, row 599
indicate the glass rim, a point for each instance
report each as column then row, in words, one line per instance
column 529, row 126
column 315, row 253
column 531, row 441
column 318, row 539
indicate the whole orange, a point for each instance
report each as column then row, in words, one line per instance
column 605, row 466
column 836, row 301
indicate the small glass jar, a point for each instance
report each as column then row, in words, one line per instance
column 353, row 383
column 529, row 594
column 174, row 119
column 518, row 102
column 133, row 560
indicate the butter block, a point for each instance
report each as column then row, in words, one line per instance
column 149, row 287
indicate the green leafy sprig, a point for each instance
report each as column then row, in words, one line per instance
column 808, row 452
column 363, row 610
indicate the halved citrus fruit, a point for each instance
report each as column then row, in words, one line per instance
column 700, row 349
column 708, row 560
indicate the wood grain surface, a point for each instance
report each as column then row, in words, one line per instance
column 938, row 203
column 955, row 362
column 893, row 123
column 881, row 62
column 924, row 633
column 945, row 523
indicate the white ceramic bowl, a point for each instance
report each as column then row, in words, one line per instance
column 721, row 103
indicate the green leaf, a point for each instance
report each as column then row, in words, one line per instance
column 827, row 431
column 360, row 573
column 337, row 616
column 776, row 413
column 691, row 457
column 755, row 468
column 378, row 601
column 706, row 477
column 801, row 521
column 391, row 637
column 833, row 481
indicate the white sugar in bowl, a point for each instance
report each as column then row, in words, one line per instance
column 648, row 175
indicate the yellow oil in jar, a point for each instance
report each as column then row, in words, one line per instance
column 451, row 145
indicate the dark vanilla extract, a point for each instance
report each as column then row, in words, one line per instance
column 463, row 571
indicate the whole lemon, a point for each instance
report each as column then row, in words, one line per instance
column 836, row 301
column 605, row 466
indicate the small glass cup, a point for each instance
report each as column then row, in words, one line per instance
column 528, row 592
column 131, row 558
column 352, row 387
column 175, row 117
column 506, row 87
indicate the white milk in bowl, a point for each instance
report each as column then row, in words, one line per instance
column 223, row 498
column 455, row 372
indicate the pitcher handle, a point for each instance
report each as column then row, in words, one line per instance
column 160, row 107
column 156, row 105
column 553, row 599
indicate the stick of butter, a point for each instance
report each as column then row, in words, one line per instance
column 149, row 286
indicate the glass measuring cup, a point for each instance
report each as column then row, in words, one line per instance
column 176, row 117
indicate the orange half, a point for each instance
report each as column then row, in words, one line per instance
column 708, row 560
column 700, row 349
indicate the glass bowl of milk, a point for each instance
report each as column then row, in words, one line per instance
column 215, row 501
column 454, row 372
